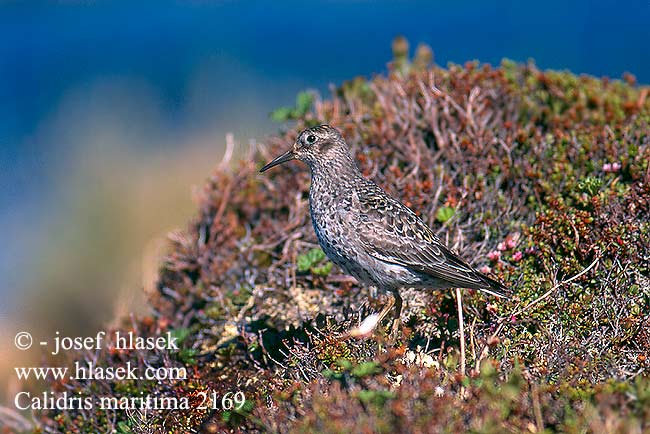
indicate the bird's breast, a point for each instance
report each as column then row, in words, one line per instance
column 343, row 228
column 336, row 225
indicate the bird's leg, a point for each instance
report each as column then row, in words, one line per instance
column 397, row 315
column 461, row 330
column 369, row 324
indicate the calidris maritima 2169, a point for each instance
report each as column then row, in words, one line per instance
column 371, row 235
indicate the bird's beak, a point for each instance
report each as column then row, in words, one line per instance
column 287, row 156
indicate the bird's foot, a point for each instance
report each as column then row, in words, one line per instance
column 365, row 329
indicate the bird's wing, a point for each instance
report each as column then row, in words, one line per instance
column 395, row 234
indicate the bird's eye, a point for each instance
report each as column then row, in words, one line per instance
column 311, row 139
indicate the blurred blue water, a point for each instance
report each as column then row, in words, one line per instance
column 224, row 65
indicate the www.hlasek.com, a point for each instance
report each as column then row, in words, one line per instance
column 131, row 370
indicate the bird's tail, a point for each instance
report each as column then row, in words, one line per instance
column 494, row 287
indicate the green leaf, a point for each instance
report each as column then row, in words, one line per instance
column 308, row 261
column 590, row 185
column 444, row 214
column 323, row 270
column 188, row 356
column 180, row 334
column 344, row 363
column 332, row 375
column 376, row 397
column 123, row 427
column 304, row 263
column 316, row 255
column 304, row 101
column 282, row 114
column 366, row 368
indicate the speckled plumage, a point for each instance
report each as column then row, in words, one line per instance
column 369, row 234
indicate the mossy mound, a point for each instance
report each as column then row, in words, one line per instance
column 541, row 177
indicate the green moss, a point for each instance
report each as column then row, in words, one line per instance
column 315, row 262
column 444, row 213
column 304, row 101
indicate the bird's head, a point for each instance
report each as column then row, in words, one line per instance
column 315, row 145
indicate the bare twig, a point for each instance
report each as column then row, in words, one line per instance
column 556, row 286
column 537, row 408
column 227, row 156
column 11, row 419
